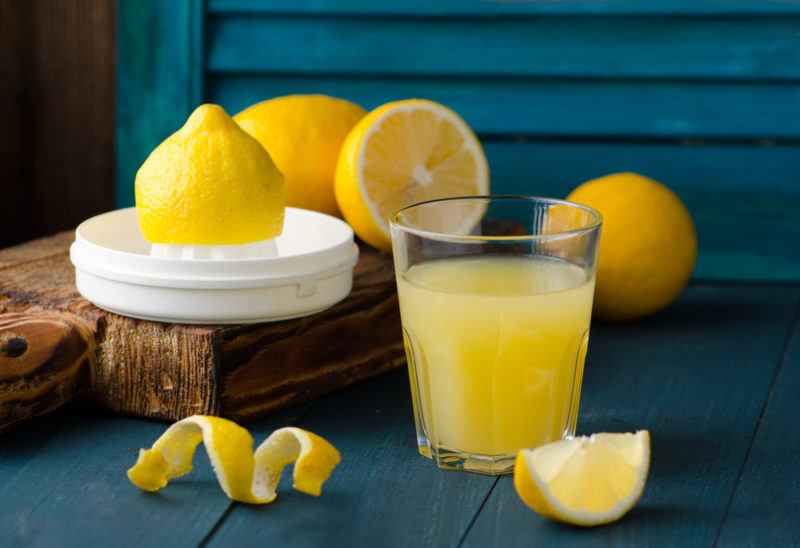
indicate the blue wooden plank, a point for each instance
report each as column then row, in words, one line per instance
column 744, row 199
column 382, row 494
column 74, row 491
column 613, row 47
column 697, row 376
column 21, row 444
column 484, row 7
column 765, row 510
column 159, row 79
column 745, row 110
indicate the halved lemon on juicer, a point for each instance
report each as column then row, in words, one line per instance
column 587, row 480
column 404, row 152
column 210, row 240
column 209, row 184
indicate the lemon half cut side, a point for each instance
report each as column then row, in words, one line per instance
column 586, row 480
column 405, row 152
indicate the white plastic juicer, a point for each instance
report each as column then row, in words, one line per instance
column 306, row 269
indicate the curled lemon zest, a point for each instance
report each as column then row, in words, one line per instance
column 244, row 475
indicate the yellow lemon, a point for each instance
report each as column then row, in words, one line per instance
column 648, row 245
column 303, row 134
column 244, row 475
column 587, row 480
column 210, row 183
column 404, row 152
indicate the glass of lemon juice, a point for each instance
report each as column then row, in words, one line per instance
column 495, row 300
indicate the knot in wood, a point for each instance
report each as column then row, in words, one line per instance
column 13, row 346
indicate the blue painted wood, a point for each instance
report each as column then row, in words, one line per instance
column 74, row 491
column 744, row 199
column 625, row 96
column 697, row 377
column 485, row 7
column 382, row 494
column 561, row 108
column 21, row 444
column 580, row 47
column 765, row 510
column 159, row 79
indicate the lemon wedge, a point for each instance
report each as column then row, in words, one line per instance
column 587, row 480
column 244, row 475
column 405, row 152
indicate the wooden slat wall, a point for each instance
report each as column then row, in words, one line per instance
column 159, row 76
column 703, row 95
column 510, row 7
column 57, row 64
column 12, row 152
column 522, row 46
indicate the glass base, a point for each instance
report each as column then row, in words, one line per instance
column 448, row 459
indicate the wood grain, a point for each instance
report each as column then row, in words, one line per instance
column 359, row 338
column 553, row 108
column 57, row 64
column 702, row 95
column 159, row 79
column 765, row 507
column 382, row 494
column 168, row 372
column 746, row 231
column 74, row 492
column 13, row 221
column 697, row 376
column 459, row 8
column 542, row 47
column 19, row 445
column 46, row 360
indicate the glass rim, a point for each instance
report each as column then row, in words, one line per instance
column 471, row 238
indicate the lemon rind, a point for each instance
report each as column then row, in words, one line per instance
column 243, row 474
column 562, row 513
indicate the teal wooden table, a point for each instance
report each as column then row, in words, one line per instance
column 715, row 378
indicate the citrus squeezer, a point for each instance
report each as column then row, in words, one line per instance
column 210, row 240
column 306, row 269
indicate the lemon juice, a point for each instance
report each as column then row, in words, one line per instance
column 495, row 347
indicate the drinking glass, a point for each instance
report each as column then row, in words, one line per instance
column 495, row 299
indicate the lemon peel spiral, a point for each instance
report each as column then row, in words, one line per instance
column 244, row 475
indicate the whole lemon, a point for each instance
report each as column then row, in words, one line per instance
column 209, row 183
column 648, row 245
column 303, row 134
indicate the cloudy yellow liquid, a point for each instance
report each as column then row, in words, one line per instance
column 496, row 348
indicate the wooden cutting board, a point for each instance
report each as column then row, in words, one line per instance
column 55, row 346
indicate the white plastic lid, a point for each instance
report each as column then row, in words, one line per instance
column 312, row 271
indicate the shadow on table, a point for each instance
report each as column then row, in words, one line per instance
column 642, row 515
column 703, row 305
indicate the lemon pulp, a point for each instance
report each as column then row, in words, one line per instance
column 587, row 480
column 404, row 152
